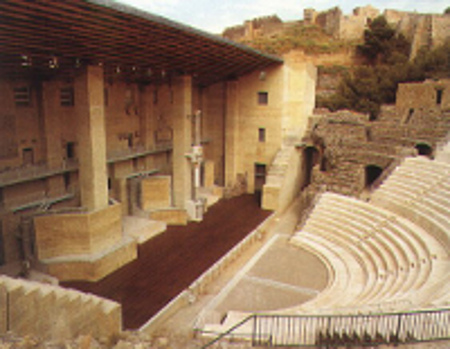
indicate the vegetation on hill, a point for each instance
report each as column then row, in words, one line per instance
column 366, row 87
column 309, row 38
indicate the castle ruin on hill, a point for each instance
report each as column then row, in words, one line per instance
column 429, row 30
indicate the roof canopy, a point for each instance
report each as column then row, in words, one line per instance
column 41, row 39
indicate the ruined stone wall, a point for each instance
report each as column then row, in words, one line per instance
column 309, row 16
column 330, row 21
column 352, row 27
column 422, row 30
column 251, row 29
column 423, row 96
column 441, row 29
column 235, row 33
column 349, row 142
column 366, row 11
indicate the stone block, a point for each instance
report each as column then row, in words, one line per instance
column 171, row 216
column 78, row 233
column 270, row 198
column 155, row 192
column 92, row 267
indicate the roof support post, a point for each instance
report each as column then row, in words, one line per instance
column 182, row 137
column 89, row 100
column 231, row 133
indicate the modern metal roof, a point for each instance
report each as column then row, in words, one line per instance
column 45, row 38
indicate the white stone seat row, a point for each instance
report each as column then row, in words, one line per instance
column 396, row 257
column 393, row 258
column 50, row 312
column 418, row 196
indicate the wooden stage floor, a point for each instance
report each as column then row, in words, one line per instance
column 171, row 261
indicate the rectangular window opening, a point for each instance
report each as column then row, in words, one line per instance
column 439, row 96
column 262, row 135
column 263, row 98
column 22, row 96
column 70, row 150
column 66, row 97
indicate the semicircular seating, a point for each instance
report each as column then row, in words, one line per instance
column 389, row 254
column 396, row 256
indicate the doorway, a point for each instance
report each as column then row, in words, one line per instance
column 372, row 174
column 310, row 158
column 424, row 149
column 260, row 180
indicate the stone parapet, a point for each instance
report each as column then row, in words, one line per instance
column 53, row 313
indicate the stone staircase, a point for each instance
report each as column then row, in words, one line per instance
column 50, row 312
column 276, row 176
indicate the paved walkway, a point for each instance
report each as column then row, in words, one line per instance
column 171, row 261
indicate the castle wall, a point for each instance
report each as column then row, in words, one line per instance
column 330, row 21
column 352, row 27
column 254, row 28
column 441, row 29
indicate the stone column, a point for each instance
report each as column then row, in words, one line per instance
column 52, row 124
column 231, row 133
column 92, row 138
column 182, row 134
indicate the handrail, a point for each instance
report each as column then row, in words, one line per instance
column 374, row 329
column 229, row 331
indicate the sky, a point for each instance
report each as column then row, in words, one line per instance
column 215, row 15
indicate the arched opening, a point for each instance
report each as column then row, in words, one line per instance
column 424, row 149
column 372, row 173
column 310, row 158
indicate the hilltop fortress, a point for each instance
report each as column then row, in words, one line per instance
column 429, row 30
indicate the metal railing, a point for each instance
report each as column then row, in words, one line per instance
column 341, row 330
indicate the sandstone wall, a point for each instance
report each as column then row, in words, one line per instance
column 54, row 313
column 253, row 116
